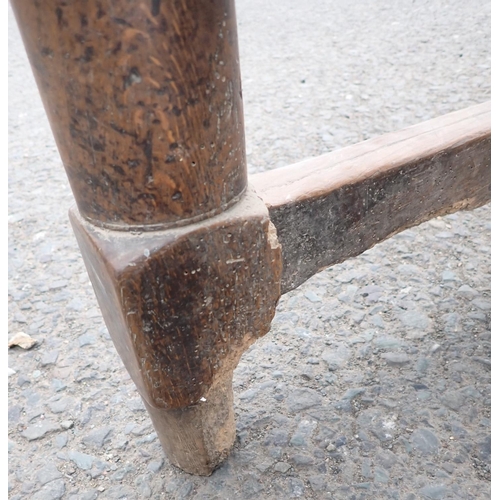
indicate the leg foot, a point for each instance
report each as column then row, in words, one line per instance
column 198, row 438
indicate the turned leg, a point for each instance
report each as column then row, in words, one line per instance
column 144, row 100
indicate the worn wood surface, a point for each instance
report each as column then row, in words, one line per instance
column 336, row 206
column 144, row 100
column 197, row 438
column 182, row 305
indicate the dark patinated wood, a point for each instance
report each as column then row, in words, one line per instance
column 182, row 305
column 336, row 206
column 173, row 301
column 144, row 100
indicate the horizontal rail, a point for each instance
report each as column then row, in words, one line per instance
column 335, row 206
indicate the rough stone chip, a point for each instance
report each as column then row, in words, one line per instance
column 40, row 429
column 301, row 399
column 282, row 467
column 425, row 441
column 395, row 359
column 22, row 340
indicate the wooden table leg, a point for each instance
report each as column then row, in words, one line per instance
column 145, row 104
column 182, row 305
column 144, row 100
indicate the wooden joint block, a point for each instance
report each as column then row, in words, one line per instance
column 181, row 306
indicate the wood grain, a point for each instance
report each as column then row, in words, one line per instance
column 336, row 206
column 144, row 100
column 199, row 437
column 145, row 104
column 182, row 305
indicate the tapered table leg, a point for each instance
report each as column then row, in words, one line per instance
column 144, row 100
column 182, row 305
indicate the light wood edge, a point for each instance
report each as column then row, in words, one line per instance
column 353, row 164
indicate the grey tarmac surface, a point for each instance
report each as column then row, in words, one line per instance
column 374, row 382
